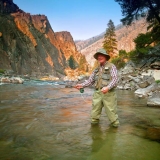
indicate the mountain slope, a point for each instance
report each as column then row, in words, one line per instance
column 125, row 36
column 28, row 45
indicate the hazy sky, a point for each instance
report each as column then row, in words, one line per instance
column 82, row 18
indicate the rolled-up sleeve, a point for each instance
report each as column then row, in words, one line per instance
column 114, row 75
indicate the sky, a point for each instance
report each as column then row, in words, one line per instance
column 82, row 18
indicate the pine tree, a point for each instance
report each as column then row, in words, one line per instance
column 71, row 62
column 132, row 9
column 110, row 42
column 82, row 63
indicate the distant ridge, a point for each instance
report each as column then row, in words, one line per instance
column 124, row 34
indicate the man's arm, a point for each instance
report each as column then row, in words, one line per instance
column 88, row 82
column 114, row 76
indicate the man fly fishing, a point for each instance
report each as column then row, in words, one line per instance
column 105, row 80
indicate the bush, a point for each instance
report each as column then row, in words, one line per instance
column 2, row 71
column 158, row 81
column 72, row 62
column 118, row 62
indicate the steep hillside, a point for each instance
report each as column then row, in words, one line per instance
column 125, row 36
column 28, row 45
column 83, row 44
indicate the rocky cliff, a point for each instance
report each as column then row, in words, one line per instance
column 125, row 36
column 28, row 45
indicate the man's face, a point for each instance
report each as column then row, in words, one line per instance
column 101, row 58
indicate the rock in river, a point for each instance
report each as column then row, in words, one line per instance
column 154, row 100
column 16, row 80
column 143, row 92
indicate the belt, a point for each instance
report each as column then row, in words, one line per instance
column 98, row 88
column 113, row 89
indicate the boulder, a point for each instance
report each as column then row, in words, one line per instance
column 154, row 100
column 146, row 81
column 15, row 80
column 127, row 86
column 135, row 79
column 155, row 65
column 5, row 80
column 125, row 78
column 142, row 92
column 128, row 69
column 149, row 79
column 143, row 84
column 120, row 87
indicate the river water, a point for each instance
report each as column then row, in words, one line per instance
column 46, row 121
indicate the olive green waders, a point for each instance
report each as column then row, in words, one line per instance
column 109, row 102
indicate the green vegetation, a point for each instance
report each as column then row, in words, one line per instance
column 110, row 42
column 143, row 46
column 71, row 62
column 149, row 9
column 158, row 81
column 2, row 71
column 132, row 9
column 119, row 61
column 82, row 63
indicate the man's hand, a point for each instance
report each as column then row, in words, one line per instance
column 78, row 86
column 105, row 90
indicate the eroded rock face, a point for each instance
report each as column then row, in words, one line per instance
column 67, row 45
column 28, row 45
column 25, row 49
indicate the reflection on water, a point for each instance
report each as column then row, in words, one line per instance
column 43, row 121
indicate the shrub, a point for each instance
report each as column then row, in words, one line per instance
column 2, row 71
column 158, row 81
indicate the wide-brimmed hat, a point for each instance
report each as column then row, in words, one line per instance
column 101, row 51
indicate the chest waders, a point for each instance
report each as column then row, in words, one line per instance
column 107, row 100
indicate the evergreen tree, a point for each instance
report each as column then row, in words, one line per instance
column 110, row 42
column 82, row 63
column 150, row 9
column 132, row 9
column 71, row 62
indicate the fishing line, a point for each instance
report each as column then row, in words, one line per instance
column 83, row 97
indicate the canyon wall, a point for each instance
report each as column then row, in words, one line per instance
column 28, row 44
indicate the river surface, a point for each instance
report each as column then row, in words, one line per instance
column 46, row 121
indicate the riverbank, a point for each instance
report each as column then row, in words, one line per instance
column 41, row 120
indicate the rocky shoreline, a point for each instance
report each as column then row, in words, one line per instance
column 144, row 86
column 130, row 78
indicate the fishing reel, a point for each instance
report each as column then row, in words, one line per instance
column 81, row 90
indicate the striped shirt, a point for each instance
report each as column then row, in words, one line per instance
column 113, row 73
